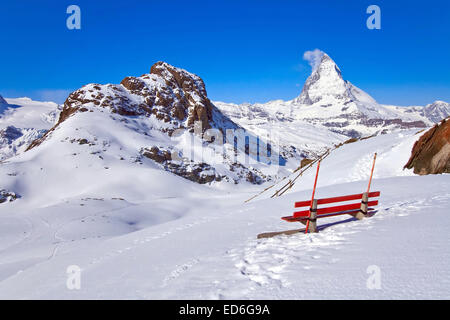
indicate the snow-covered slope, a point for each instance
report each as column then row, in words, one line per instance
column 352, row 162
column 165, row 237
column 327, row 100
column 278, row 120
column 22, row 121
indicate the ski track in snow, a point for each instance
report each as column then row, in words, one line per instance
column 362, row 168
column 140, row 242
column 179, row 270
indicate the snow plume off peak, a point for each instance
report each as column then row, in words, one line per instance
column 313, row 57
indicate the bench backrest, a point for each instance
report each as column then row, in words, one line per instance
column 335, row 209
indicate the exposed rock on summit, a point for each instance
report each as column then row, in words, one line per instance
column 172, row 95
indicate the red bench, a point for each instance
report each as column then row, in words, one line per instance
column 358, row 210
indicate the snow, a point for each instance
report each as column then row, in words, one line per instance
column 27, row 113
column 22, row 121
column 139, row 232
column 87, row 197
column 279, row 122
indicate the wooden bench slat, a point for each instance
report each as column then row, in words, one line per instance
column 358, row 196
column 334, row 209
column 344, row 207
column 294, row 219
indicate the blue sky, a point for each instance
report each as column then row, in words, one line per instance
column 246, row 51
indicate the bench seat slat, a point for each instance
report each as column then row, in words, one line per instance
column 358, row 196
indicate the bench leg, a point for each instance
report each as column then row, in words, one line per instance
column 364, row 208
column 312, row 226
column 313, row 218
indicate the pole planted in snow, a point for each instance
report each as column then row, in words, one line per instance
column 371, row 173
column 312, row 198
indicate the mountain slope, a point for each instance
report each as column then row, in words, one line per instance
column 278, row 120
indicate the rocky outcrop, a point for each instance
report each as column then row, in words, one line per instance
column 201, row 172
column 7, row 196
column 431, row 153
column 175, row 97
column 197, row 172
column 156, row 154
column 171, row 94
column 9, row 134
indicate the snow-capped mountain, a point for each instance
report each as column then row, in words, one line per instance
column 437, row 111
column 160, row 121
column 172, row 95
column 22, row 121
column 327, row 100
column 326, row 87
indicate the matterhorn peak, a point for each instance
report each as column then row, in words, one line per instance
column 325, row 84
column 328, row 68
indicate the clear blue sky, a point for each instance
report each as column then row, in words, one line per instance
column 246, row 51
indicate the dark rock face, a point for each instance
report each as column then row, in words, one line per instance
column 10, row 133
column 154, row 153
column 2, row 101
column 7, row 196
column 431, row 153
column 197, row 172
column 3, row 105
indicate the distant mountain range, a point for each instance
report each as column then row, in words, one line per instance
column 157, row 120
